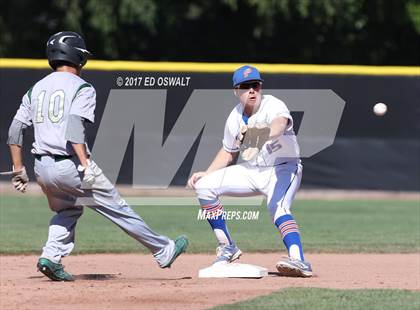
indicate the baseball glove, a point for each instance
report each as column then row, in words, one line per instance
column 252, row 139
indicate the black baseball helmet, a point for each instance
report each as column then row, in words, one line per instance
column 67, row 46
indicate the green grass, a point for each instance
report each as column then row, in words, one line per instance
column 326, row 226
column 326, row 299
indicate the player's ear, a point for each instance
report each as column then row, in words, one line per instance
column 236, row 92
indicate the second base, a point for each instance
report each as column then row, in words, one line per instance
column 233, row 270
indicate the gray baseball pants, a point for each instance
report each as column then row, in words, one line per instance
column 61, row 183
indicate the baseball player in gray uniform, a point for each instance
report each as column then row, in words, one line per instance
column 58, row 107
column 262, row 126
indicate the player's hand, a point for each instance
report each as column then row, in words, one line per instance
column 241, row 136
column 90, row 172
column 194, row 178
column 254, row 140
column 20, row 179
column 250, row 153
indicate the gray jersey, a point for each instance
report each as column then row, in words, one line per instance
column 47, row 106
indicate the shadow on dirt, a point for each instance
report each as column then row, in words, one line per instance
column 95, row 277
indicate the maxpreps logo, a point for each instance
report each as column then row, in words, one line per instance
column 247, row 72
column 248, row 215
column 134, row 112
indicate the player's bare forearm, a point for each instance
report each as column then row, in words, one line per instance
column 278, row 127
column 222, row 160
column 80, row 150
column 16, row 153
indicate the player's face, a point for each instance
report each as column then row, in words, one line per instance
column 249, row 93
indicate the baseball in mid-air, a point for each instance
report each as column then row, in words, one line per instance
column 380, row 109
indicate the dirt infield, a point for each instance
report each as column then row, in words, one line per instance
column 132, row 281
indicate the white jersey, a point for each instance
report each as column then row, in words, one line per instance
column 47, row 106
column 277, row 151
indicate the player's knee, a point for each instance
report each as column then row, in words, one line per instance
column 204, row 191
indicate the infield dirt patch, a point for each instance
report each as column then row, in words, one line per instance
column 134, row 281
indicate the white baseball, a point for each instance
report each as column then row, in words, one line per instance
column 380, row 109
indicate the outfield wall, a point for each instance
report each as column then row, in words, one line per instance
column 369, row 152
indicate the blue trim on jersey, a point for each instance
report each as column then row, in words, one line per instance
column 245, row 118
column 219, row 222
column 292, row 237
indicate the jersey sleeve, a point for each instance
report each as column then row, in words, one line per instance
column 229, row 138
column 277, row 109
column 84, row 102
column 23, row 114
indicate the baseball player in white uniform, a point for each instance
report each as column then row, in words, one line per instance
column 58, row 107
column 271, row 167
